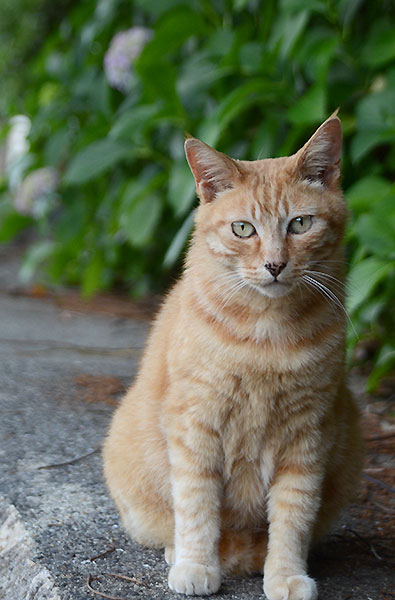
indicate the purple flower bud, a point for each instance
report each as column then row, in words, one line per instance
column 125, row 48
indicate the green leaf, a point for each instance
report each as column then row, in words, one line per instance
column 95, row 159
column 181, row 187
column 310, row 108
column 287, row 30
column 12, row 223
column 376, row 233
column 241, row 99
column 366, row 192
column 133, row 121
column 34, row 258
column 91, row 278
column 366, row 140
column 171, row 32
column 379, row 47
column 138, row 223
column 376, row 122
column 298, row 5
column 363, row 278
column 155, row 8
column 174, row 251
column 384, row 363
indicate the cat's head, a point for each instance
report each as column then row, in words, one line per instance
column 270, row 222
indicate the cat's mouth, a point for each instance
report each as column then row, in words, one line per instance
column 274, row 288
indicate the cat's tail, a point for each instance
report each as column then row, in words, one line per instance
column 243, row 552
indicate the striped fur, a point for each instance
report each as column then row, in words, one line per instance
column 239, row 442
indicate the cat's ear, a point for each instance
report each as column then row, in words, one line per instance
column 318, row 162
column 213, row 171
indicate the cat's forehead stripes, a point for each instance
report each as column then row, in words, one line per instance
column 270, row 197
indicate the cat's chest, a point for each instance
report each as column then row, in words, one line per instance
column 245, row 423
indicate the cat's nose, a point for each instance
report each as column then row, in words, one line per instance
column 275, row 268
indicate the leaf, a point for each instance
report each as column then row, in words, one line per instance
column 288, row 28
column 138, row 223
column 376, row 122
column 363, row 278
column 12, row 223
column 239, row 100
column 91, row 278
column 298, row 5
column 95, row 159
column 174, row 251
column 171, row 31
column 366, row 192
column 377, row 233
column 383, row 365
column 35, row 256
column 181, row 187
column 379, row 47
column 366, row 140
column 310, row 108
column 155, row 8
column 318, row 54
column 133, row 121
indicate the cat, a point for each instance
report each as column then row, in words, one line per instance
column 239, row 441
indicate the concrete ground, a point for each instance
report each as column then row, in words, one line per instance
column 61, row 373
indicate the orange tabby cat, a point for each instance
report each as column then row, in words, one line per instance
column 239, row 441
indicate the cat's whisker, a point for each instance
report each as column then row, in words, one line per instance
column 331, row 296
column 233, row 291
column 308, row 271
column 325, row 261
column 337, row 284
column 344, row 285
column 221, row 285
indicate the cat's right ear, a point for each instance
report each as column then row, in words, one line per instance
column 213, row 171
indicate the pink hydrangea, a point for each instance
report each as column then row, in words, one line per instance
column 125, row 48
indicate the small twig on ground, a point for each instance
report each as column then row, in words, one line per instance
column 373, row 551
column 381, row 436
column 102, row 554
column 132, row 579
column 125, row 577
column 378, row 482
column 88, row 583
column 70, row 462
column 365, row 541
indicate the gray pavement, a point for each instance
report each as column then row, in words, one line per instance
column 57, row 524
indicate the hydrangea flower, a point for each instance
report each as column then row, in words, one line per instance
column 124, row 49
column 32, row 196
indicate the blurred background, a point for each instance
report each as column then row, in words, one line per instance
column 96, row 98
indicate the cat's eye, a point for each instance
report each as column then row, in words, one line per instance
column 300, row 224
column 243, row 229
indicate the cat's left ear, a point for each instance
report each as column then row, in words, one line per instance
column 213, row 171
column 319, row 160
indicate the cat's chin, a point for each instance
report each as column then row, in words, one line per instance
column 275, row 289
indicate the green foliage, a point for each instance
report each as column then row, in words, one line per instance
column 252, row 78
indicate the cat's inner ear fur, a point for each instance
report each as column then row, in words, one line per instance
column 319, row 159
column 213, row 171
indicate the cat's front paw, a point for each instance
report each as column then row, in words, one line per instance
column 296, row 587
column 194, row 579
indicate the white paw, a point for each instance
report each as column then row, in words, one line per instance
column 296, row 587
column 194, row 579
column 170, row 555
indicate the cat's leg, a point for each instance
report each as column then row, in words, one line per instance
column 194, row 452
column 293, row 503
column 170, row 555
